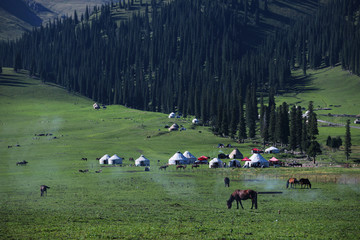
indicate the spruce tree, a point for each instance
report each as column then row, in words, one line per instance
column 347, row 145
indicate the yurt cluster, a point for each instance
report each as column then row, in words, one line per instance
column 234, row 159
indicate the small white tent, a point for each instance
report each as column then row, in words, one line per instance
column 172, row 115
column 178, row 158
column 191, row 158
column 216, row 163
column 272, row 150
column 195, row 121
column 236, row 154
column 142, row 161
column 234, row 163
column 257, row 161
column 104, row 159
column 115, row 159
column 174, row 127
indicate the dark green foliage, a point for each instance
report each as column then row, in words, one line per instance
column 347, row 145
column 313, row 130
column 188, row 53
column 314, row 150
column 334, row 143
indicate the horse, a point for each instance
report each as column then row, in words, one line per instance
column 163, row 167
column 43, row 189
column 227, row 181
column 99, row 171
column 180, row 167
column 85, row 159
column 239, row 195
column 84, row 171
column 306, row 182
column 292, row 182
column 23, row 162
column 194, row 166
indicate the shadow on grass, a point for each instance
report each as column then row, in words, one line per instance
column 12, row 82
column 300, row 84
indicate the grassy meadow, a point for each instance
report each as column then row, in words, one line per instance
column 127, row 202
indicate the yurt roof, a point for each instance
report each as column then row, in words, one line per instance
column 256, row 157
column 142, row 158
column 115, row 157
column 215, row 160
column 246, row 159
column 188, row 155
column 105, row 157
column 271, row 149
column 178, row 156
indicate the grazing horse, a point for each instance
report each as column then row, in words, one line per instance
column 292, row 182
column 85, row 159
column 239, row 195
column 43, row 189
column 23, row 162
column 306, row 182
column 227, row 181
column 195, row 166
column 163, row 167
column 180, row 167
column 99, row 171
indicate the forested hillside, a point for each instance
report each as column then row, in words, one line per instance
column 194, row 57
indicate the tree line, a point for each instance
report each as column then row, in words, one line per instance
column 192, row 57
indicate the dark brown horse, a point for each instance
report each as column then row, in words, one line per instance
column 306, row 182
column 180, row 167
column 163, row 167
column 227, row 182
column 292, row 182
column 194, row 166
column 239, row 195
column 43, row 189
column 23, row 162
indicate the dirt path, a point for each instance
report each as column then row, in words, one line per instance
column 336, row 124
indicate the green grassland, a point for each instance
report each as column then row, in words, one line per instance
column 129, row 203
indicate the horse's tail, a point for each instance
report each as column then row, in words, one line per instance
column 309, row 184
column 287, row 183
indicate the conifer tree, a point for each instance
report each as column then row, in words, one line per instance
column 347, row 145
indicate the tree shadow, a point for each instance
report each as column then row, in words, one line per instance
column 12, row 82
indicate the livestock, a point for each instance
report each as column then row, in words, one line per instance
column 180, row 167
column 306, row 182
column 85, row 159
column 227, row 181
column 239, row 195
column 195, row 166
column 292, row 182
column 43, row 189
column 23, row 162
column 163, row 167
column 98, row 171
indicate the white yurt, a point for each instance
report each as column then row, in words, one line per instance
column 104, row 159
column 195, row 121
column 272, row 150
column 234, row 163
column 236, row 154
column 172, row 115
column 191, row 158
column 115, row 159
column 142, row 161
column 257, row 161
column 174, row 127
column 178, row 158
column 216, row 163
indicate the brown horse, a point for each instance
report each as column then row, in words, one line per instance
column 227, row 181
column 292, row 182
column 23, row 162
column 43, row 189
column 180, row 167
column 239, row 195
column 306, row 182
column 194, row 166
column 163, row 167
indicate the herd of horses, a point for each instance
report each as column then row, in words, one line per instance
column 292, row 182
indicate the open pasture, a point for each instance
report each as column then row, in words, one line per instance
column 129, row 203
